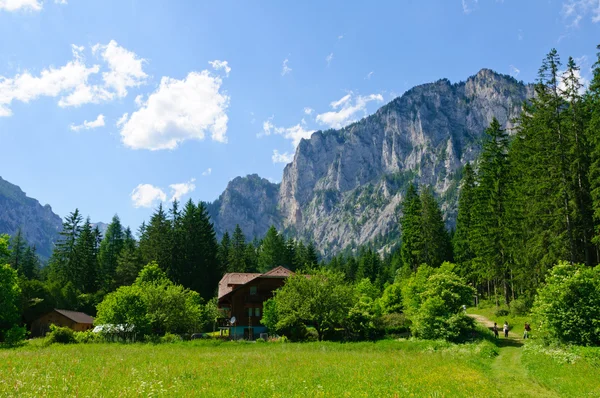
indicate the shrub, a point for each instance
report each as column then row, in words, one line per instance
column 88, row 337
column 15, row 335
column 60, row 335
column 567, row 308
column 261, row 340
column 395, row 323
column 501, row 312
column 170, row 338
column 519, row 307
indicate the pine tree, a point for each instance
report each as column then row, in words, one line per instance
column 155, row 242
column 86, row 260
column 110, row 248
column 129, row 262
column 225, row 251
column 30, row 266
column 271, row 251
column 410, row 222
column 62, row 263
column 435, row 241
column 463, row 250
column 17, row 251
column 237, row 256
column 489, row 238
column 592, row 107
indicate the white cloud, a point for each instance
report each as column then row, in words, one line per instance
column 177, row 111
column 139, row 100
column 285, row 69
column 16, row 5
column 207, row 172
column 294, row 133
column 146, row 195
column 368, row 77
column 282, row 157
column 514, row 71
column 122, row 120
column 99, row 122
column 329, row 58
column 349, row 106
column 308, row 111
column 575, row 10
column 218, row 65
column 61, row 2
column 71, row 82
column 126, row 68
column 182, row 189
column 469, row 5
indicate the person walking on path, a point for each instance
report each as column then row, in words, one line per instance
column 505, row 329
column 527, row 330
column 495, row 329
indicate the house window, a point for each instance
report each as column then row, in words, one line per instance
column 249, row 311
column 253, row 290
column 257, row 312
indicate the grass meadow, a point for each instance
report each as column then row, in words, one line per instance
column 231, row 369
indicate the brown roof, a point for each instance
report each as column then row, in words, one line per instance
column 231, row 281
column 75, row 316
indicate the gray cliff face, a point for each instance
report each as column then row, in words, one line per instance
column 40, row 226
column 344, row 186
column 249, row 201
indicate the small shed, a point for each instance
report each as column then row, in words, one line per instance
column 78, row 321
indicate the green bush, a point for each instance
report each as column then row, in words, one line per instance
column 501, row 312
column 519, row 307
column 261, row 340
column 567, row 308
column 395, row 324
column 88, row 337
column 60, row 335
column 15, row 335
column 170, row 338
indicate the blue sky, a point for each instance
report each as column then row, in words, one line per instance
column 112, row 106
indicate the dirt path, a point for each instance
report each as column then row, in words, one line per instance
column 508, row 373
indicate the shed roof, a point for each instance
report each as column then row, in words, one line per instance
column 75, row 316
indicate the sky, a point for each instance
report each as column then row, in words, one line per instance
column 113, row 106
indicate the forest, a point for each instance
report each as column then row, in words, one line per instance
column 527, row 238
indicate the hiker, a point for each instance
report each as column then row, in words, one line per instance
column 495, row 329
column 527, row 330
column 505, row 329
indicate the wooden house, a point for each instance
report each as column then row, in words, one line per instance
column 241, row 296
column 78, row 321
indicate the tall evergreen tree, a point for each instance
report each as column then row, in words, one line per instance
column 17, row 248
column 463, row 250
column 237, row 256
column 86, row 260
column 271, row 251
column 410, row 222
column 225, row 251
column 62, row 263
column 110, row 248
column 489, row 238
column 592, row 107
column 435, row 241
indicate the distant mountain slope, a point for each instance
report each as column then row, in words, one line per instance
column 39, row 224
column 344, row 186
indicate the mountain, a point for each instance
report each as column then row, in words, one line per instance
column 40, row 226
column 344, row 186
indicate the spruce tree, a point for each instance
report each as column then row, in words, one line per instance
column 110, row 248
column 463, row 250
column 17, row 251
column 86, row 279
column 237, row 256
column 410, row 222
column 271, row 251
column 435, row 241
column 225, row 251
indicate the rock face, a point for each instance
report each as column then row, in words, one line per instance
column 344, row 186
column 249, row 201
column 40, row 226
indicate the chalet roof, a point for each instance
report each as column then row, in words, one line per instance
column 233, row 280
column 75, row 316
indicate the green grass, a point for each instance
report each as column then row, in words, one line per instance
column 212, row 368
